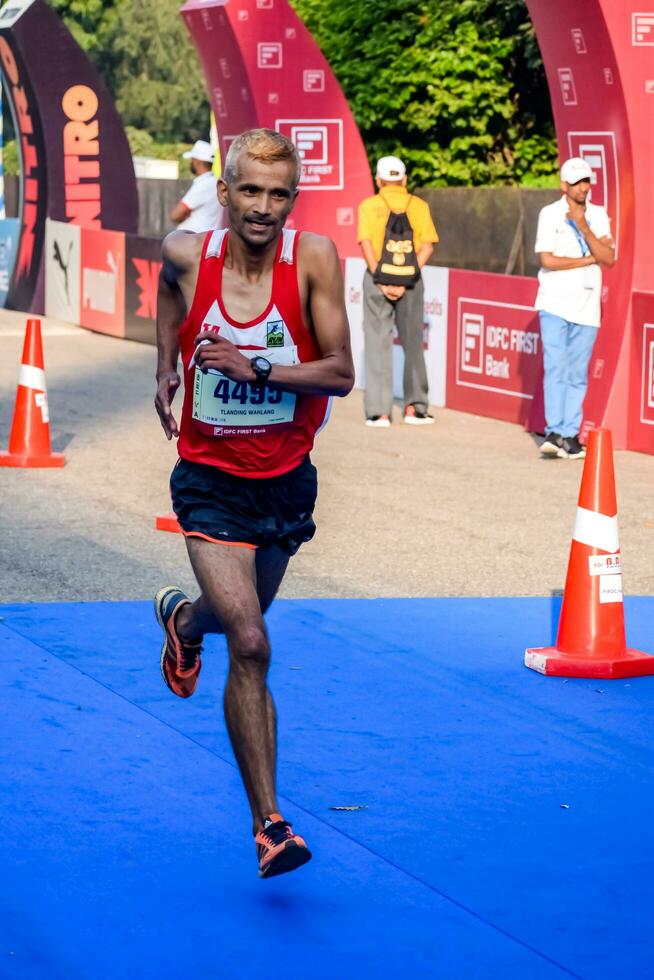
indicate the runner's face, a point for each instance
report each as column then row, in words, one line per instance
column 578, row 192
column 260, row 199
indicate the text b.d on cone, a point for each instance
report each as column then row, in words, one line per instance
column 591, row 639
column 29, row 440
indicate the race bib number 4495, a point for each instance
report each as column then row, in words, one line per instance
column 222, row 407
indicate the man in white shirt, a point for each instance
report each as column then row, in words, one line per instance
column 573, row 241
column 199, row 209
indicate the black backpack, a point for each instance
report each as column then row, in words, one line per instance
column 398, row 265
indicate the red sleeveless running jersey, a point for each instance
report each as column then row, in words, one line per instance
column 248, row 430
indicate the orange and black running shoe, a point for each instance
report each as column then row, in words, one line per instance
column 180, row 661
column 279, row 850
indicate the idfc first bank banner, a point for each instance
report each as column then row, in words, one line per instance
column 494, row 359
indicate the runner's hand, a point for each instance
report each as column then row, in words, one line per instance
column 166, row 388
column 214, row 353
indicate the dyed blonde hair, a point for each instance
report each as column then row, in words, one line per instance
column 264, row 145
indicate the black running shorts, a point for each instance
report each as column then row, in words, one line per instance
column 215, row 505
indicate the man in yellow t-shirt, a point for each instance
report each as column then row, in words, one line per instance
column 386, row 304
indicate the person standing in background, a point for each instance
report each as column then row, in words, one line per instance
column 573, row 241
column 397, row 237
column 199, row 209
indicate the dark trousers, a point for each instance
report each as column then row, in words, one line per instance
column 379, row 315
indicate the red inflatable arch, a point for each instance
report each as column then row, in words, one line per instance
column 599, row 58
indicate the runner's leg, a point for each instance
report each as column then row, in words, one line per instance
column 199, row 618
column 228, row 580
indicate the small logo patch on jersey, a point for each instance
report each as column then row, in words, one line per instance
column 275, row 333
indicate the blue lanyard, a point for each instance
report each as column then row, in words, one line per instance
column 583, row 244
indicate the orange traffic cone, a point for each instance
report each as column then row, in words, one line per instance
column 29, row 440
column 167, row 522
column 591, row 639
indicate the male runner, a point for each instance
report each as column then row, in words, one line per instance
column 258, row 314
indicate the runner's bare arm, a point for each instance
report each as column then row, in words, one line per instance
column 333, row 372
column 171, row 312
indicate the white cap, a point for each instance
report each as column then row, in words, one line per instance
column 201, row 150
column 575, row 169
column 390, row 168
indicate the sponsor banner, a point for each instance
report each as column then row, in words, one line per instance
column 62, row 270
column 75, row 160
column 263, row 68
column 102, row 276
column 435, row 281
column 641, row 386
column 9, row 234
column 142, row 266
column 494, row 352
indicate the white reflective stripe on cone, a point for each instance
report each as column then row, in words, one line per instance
column 32, row 377
column 596, row 530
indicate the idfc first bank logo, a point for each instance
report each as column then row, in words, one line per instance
column 498, row 347
column 599, row 152
column 319, row 143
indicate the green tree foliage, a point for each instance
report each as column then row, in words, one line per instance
column 456, row 87
column 144, row 54
column 89, row 21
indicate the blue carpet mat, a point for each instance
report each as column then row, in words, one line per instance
column 125, row 832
